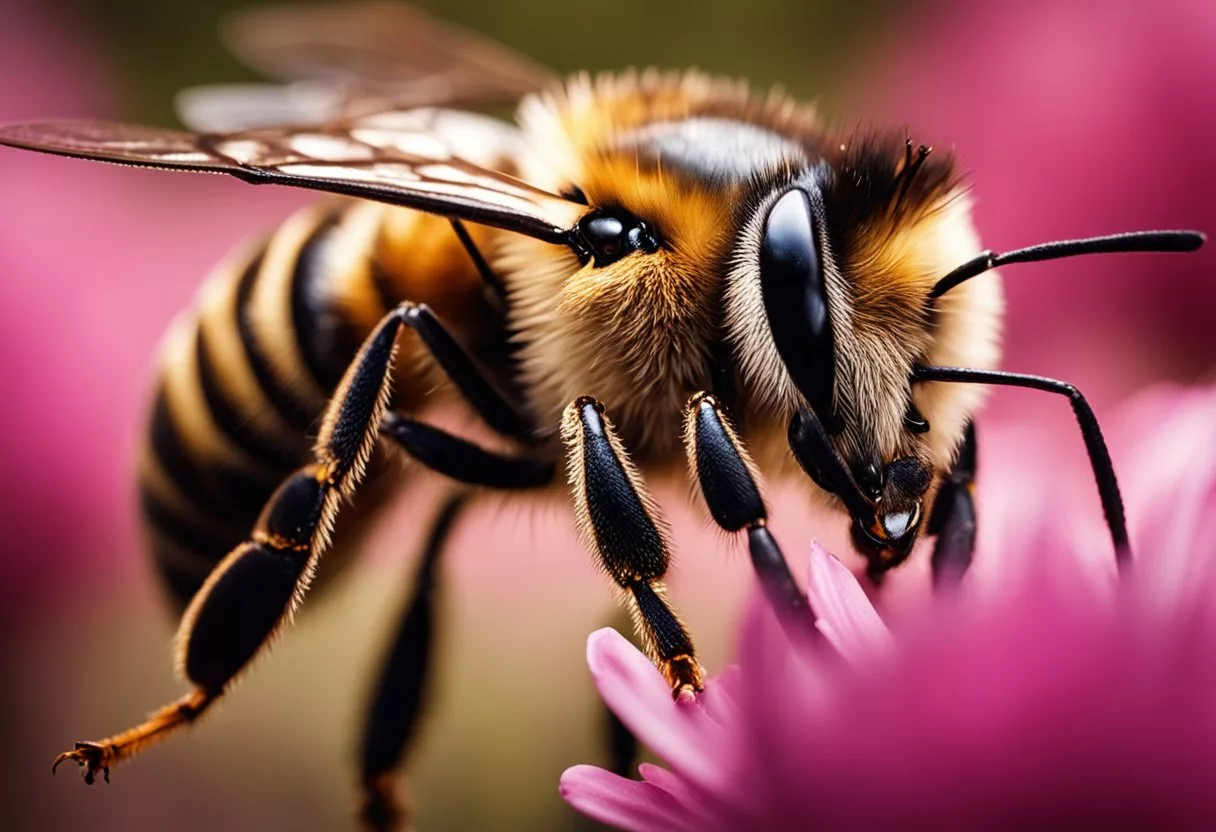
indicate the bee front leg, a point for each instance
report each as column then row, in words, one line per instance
column 621, row 524
column 953, row 519
column 727, row 480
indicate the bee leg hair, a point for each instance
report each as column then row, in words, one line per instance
column 953, row 519
column 620, row 523
column 727, row 480
column 399, row 697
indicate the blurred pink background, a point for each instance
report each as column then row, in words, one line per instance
column 1076, row 117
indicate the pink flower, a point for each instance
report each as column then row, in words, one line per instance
column 1054, row 699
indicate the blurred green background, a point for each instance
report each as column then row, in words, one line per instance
column 160, row 47
column 1076, row 117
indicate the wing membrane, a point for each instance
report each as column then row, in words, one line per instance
column 383, row 52
column 402, row 158
column 226, row 108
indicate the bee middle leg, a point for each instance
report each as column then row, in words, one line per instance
column 620, row 523
column 252, row 591
column 397, row 703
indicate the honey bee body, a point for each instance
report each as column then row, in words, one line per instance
column 647, row 271
column 695, row 157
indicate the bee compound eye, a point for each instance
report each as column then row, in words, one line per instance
column 610, row 235
column 795, row 299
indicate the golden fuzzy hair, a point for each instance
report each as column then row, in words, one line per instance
column 634, row 333
column 637, row 333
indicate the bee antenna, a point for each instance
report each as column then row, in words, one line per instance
column 913, row 164
column 1162, row 241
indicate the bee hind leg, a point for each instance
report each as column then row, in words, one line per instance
column 99, row 757
column 251, row 593
column 620, row 524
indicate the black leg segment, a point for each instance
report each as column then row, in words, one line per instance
column 499, row 412
column 1091, row 432
column 252, row 590
column 397, row 703
column 814, row 451
column 462, row 460
column 953, row 519
column 622, row 746
column 620, row 523
column 727, row 480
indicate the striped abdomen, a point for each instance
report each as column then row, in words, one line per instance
column 244, row 375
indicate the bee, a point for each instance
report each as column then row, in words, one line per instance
column 646, row 270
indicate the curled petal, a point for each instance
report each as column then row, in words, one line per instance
column 845, row 615
column 626, row 804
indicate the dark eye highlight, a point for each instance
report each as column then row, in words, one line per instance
column 610, row 234
column 796, row 302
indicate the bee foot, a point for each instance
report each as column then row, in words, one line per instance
column 383, row 809
column 92, row 757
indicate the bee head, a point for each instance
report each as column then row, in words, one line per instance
column 828, row 311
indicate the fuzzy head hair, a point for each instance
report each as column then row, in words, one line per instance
column 702, row 161
column 894, row 222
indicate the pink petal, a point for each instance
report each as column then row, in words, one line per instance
column 627, row 804
column 1170, row 488
column 719, row 700
column 638, row 694
column 766, row 654
column 845, row 615
column 692, row 801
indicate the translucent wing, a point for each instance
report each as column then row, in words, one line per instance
column 382, row 51
column 228, row 108
column 412, row 158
